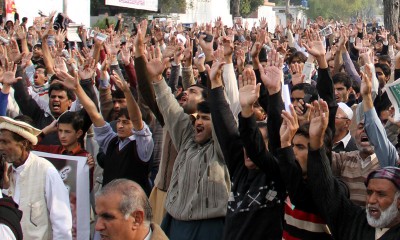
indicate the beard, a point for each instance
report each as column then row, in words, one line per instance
column 386, row 217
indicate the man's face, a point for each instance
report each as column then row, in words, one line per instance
column 300, row 149
column 191, row 97
column 59, row 102
column 331, row 65
column 382, row 203
column 297, row 97
column 39, row 78
column 10, row 150
column 382, row 78
column 202, row 127
column 124, row 127
column 119, row 103
column 362, row 140
column 37, row 52
column 111, row 223
column 341, row 93
column 378, row 46
column 342, row 122
column 67, row 134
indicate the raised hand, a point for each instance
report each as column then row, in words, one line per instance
column 315, row 45
column 188, row 52
column 297, row 73
column 9, row 73
column 319, row 119
column 289, row 127
column 366, row 83
column 272, row 74
column 61, row 35
column 228, row 48
column 215, row 73
column 26, row 60
column 66, row 80
column 263, row 23
column 155, row 67
column 121, row 84
column 88, row 70
column 60, row 65
column 249, row 91
column 126, row 55
column 15, row 55
column 20, row 32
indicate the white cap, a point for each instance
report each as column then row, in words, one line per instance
column 21, row 128
column 346, row 109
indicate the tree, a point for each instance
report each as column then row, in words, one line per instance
column 339, row 9
column 391, row 15
column 243, row 8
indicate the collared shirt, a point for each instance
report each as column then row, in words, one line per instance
column 57, row 199
column 58, row 149
column 148, row 236
column 144, row 140
column 379, row 232
column 5, row 231
column 344, row 140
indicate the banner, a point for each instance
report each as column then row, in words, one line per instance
column 150, row 5
column 75, row 173
column 393, row 91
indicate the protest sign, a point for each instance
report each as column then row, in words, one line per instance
column 75, row 174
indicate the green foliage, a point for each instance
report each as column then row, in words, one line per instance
column 248, row 6
column 172, row 6
column 339, row 9
column 102, row 23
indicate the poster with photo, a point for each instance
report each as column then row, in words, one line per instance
column 75, row 174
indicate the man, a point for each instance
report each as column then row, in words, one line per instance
column 380, row 218
column 342, row 83
column 195, row 211
column 383, row 74
column 34, row 184
column 60, row 100
column 124, row 212
column 343, row 141
column 129, row 150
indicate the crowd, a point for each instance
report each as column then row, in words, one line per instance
column 202, row 132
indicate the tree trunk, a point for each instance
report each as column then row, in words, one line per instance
column 391, row 15
column 287, row 11
column 235, row 8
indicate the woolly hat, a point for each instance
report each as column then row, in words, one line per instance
column 346, row 109
column 21, row 128
column 390, row 173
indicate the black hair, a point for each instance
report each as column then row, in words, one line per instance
column 60, row 87
column 203, row 107
column 342, row 77
column 123, row 112
column 117, row 94
column 356, row 86
column 297, row 54
column 385, row 58
column 307, row 89
column 385, row 68
column 204, row 92
column 72, row 118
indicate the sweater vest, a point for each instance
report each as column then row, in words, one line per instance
column 125, row 163
column 35, row 219
column 11, row 216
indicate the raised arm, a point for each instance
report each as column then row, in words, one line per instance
column 271, row 77
column 385, row 151
column 133, row 108
column 329, row 194
column 73, row 83
column 324, row 82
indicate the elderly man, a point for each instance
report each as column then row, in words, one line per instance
column 34, row 184
column 124, row 212
column 379, row 220
column 343, row 141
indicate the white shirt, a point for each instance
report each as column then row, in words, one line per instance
column 57, row 200
column 344, row 140
column 148, row 237
column 5, row 231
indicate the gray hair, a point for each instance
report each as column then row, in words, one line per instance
column 132, row 197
